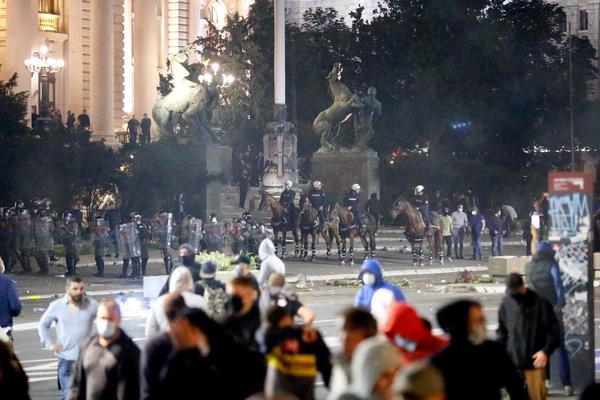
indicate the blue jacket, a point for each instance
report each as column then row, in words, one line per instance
column 365, row 294
column 352, row 200
column 10, row 305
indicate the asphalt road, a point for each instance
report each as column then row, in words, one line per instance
column 425, row 291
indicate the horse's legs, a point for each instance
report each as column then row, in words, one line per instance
column 277, row 243
column 343, row 253
column 351, row 250
column 296, row 243
column 365, row 244
column 337, row 242
column 372, row 241
column 313, row 246
column 327, row 238
column 304, row 245
column 414, row 251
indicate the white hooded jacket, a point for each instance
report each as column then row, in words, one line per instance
column 270, row 262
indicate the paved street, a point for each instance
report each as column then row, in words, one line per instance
column 427, row 288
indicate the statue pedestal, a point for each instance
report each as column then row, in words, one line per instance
column 217, row 161
column 339, row 170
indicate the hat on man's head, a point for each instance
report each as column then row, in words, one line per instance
column 208, row 269
column 241, row 259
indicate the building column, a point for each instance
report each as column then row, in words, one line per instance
column 102, row 68
column 145, row 57
column 279, row 61
column 22, row 31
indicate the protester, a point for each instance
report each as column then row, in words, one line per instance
column 473, row 367
column 181, row 282
column 243, row 268
column 409, row 334
column 460, row 222
column 420, row 381
column 212, row 289
column 294, row 355
column 73, row 315
column 381, row 305
column 496, row 229
column 370, row 274
column 109, row 362
column 187, row 257
column 358, row 324
column 270, row 263
column 277, row 293
column 13, row 379
column 529, row 329
column 542, row 275
column 198, row 350
column 477, row 226
column 445, row 223
column 243, row 317
column 509, row 216
column 10, row 305
column 375, row 364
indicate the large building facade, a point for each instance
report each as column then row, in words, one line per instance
column 582, row 18
column 114, row 49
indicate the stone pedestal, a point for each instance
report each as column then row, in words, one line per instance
column 217, row 161
column 339, row 170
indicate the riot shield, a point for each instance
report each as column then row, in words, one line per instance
column 43, row 234
column 24, row 232
column 253, row 235
column 162, row 230
column 100, row 237
column 195, row 230
column 235, row 239
column 129, row 241
column 215, row 236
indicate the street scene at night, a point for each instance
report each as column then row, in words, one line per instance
column 299, row 199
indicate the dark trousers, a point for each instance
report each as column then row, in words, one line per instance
column 448, row 240
column 145, row 137
column 243, row 194
column 24, row 259
column 114, row 239
column 497, row 245
column 458, row 238
column 43, row 260
column 100, row 263
column 132, row 137
column 71, row 259
column 167, row 259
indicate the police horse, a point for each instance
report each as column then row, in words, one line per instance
column 416, row 233
column 331, row 230
column 309, row 225
column 281, row 224
column 349, row 230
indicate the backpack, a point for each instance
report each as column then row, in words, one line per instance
column 215, row 298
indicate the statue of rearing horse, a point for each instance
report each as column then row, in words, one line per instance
column 327, row 123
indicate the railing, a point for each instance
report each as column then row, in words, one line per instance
column 48, row 22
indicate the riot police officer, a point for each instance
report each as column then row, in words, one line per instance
column 43, row 234
column 100, row 239
column 6, row 238
column 131, row 249
column 421, row 202
column 353, row 202
column 162, row 231
column 144, row 234
column 24, row 238
column 286, row 199
column 318, row 201
column 70, row 240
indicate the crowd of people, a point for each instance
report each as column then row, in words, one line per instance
column 253, row 338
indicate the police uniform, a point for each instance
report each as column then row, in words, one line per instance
column 318, row 201
column 287, row 201
column 352, row 200
column 144, row 234
column 421, row 203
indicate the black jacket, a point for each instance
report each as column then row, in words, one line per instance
column 478, row 372
column 526, row 325
column 539, row 276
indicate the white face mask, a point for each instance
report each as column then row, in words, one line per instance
column 474, row 212
column 106, row 328
column 214, row 220
column 478, row 335
column 368, row 279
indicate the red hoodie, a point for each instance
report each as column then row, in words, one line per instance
column 407, row 331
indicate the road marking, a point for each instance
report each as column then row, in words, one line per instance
column 39, row 360
column 90, row 293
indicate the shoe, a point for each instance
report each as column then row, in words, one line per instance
column 568, row 390
column 98, row 275
column 69, row 273
column 116, row 255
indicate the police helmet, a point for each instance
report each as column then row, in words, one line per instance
column 419, row 189
column 356, row 187
column 317, row 185
column 288, row 184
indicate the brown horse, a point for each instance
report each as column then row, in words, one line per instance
column 309, row 224
column 348, row 231
column 281, row 224
column 416, row 232
column 331, row 230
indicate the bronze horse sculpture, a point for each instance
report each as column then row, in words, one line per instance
column 416, row 232
column 281, row 224
column 309, row 224
column 327, row 123
column 348, row 232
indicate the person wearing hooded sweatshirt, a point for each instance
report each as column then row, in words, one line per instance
column 188, row 259
column 407, row 331
column 270, row 263
column 473, row 367
column 542, row 275
column 375, row 364
column 370, row 274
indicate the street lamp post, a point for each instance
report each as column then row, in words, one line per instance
column 42, row 65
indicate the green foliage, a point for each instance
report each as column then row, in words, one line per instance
column 223, row 261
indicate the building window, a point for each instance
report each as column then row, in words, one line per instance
column 583, row 20
column 562, row 21
column 48, row 6
column 216, row 13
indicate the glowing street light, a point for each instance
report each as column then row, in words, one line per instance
column 40, row 64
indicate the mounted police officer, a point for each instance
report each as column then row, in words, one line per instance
column 287, row 201
column 318, row 201
column 421, row 202
column 353, row 202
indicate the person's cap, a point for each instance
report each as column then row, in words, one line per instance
column 514, row 282
column 241, row 259
column 208, row 269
